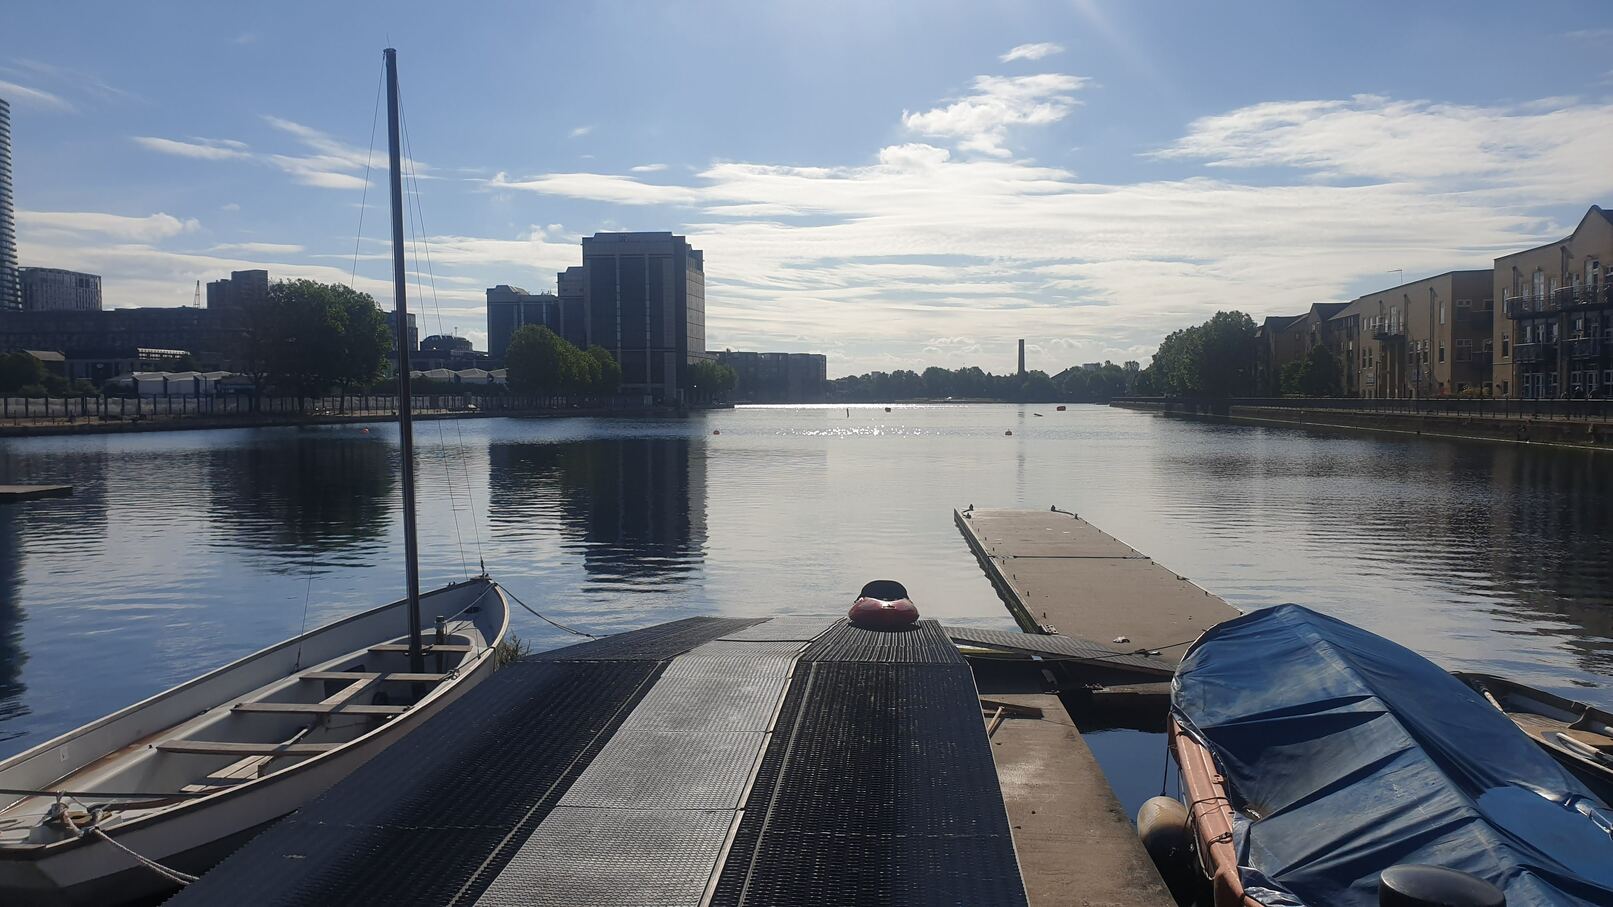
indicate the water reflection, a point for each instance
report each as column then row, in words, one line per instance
column 12, row 656
column 636, row 505
column 319, row 493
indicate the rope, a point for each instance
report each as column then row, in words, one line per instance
column 173, row 875
column 546, row 620
column 436, row 307
column 363, row 204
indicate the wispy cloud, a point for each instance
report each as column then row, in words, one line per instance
column 245, row 38
column 1590, row 34
column 150, row 228
column 600, row 187
column 77, row 81
column 267, row 248
column 581, row 131
column 649, row 168
column 204, row 149
column 1032, row 52
column 980, row 121
column 22, row 95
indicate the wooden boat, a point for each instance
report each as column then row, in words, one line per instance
column 183, row 777
column 1580, row 736
column 127, row 807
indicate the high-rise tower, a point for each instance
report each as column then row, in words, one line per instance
column 10, row 288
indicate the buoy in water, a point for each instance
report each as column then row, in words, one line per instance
column 1007, row 433
column 1163, row 828
column 883, row 605
column 716, row 431
column 1061, row 408
column 887, row 409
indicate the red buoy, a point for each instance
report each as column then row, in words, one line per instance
column 883, row 605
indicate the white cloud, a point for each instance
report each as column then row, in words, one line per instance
column 1551, row 151
column 649, row 168
column 150, row 228
column 1032, row 52
column 229, row 206
column 980, row 121
column 581, row 131
column 266, row 248
column 204, row 149
column 600, row 187
column 22, row 95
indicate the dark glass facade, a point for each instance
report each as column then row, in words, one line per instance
column 645, row 298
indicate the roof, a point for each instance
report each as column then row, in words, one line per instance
column 1326, row 310
column 1401, row 286
column 1595, row 210
column 46, row 355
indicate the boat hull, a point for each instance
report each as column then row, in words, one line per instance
column 194, row 837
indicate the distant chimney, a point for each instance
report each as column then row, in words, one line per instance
column 1021, row 358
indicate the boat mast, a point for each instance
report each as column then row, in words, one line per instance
column 400, row 334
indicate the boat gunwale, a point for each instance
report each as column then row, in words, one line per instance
column 34, row 852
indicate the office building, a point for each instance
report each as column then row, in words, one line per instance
column 10, row 290
column 570, row 287
column 55, row 290
column 645, row 296
column 208, row 335
column 777, row 377
column 414, row 330
column 1556, row 339
column 240, row 289
column 511, row 308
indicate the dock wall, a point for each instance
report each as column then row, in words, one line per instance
column 1596, row 434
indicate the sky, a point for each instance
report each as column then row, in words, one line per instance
column 896, row 185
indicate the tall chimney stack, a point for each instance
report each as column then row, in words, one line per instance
column 1022, row 358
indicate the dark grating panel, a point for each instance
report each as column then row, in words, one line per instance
column 440, row 812
column 923, row 643
column 1063, row 647
column 658, row 642
column 878, row 788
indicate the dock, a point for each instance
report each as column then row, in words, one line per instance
column 796, row 759
column 1055, row 571
column 10, row 493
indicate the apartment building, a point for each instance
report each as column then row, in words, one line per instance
column 1427, row 338
column 1556, row 339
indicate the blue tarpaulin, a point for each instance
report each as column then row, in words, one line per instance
column 1349, row 754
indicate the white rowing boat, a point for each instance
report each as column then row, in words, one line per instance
column 183, row 777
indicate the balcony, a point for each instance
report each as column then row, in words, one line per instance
column 1534, row 352
column 1581, row 297
column 1584, row 347
column 1386, row 330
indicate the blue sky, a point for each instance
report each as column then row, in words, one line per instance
column 896, row 185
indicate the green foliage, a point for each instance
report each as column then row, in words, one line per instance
column 19, row 370
column 541, row 362
column 1317, row 375
column 307, row 336
column 1074, row 385
column 609, row 379
column 709, row 380
column 1213, row 359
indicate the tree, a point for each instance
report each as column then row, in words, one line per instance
column 536, row 362
column 19, row 370
column 306, row 336
column 610, row 372
column 709, row 380
column 1316, row 375
column 1214, row 359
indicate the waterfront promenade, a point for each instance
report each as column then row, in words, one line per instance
column 25, row 417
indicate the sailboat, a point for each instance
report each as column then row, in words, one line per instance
column 130, row 805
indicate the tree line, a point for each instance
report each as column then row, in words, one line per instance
column 1074, row 385
column 1216, row 359
column 539, row 361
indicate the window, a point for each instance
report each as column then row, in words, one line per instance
column 1506, row 388
column 1489, row 305
column 1442, row 352
column 1489, row 347
column 1506, row 346
column 1464, row 303
column 1442, row 311
column 1464, row 350
column 1538, row 287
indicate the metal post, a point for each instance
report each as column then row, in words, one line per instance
column 400, row 337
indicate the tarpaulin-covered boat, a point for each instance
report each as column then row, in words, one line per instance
column 1315, row 755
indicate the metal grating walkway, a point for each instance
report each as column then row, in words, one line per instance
column 704, row 761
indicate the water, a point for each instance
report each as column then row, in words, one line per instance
column 181, row 551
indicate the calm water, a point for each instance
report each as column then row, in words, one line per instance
column 182, row 551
